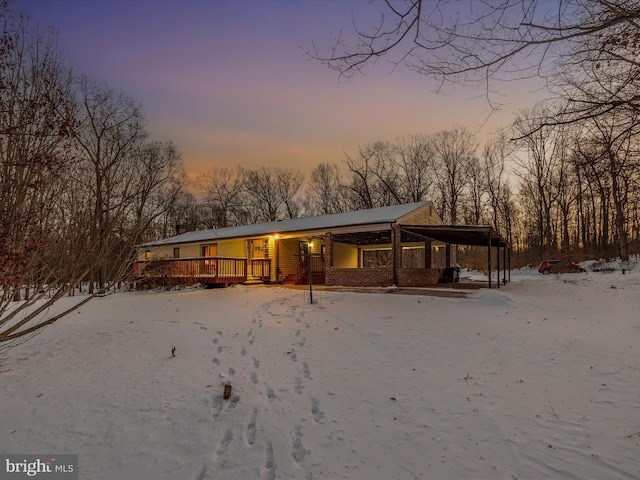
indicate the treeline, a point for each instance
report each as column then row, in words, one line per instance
column 468, row 184
column 550, row 190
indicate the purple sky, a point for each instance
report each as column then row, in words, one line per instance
column 228, row 83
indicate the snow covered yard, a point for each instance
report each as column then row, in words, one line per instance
column 540, row 379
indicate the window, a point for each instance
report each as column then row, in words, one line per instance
column 176, row 252
column 258, row 248
column 377, row 258
column 413, row 257
column 210, row 250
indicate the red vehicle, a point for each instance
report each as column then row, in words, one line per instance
column 559, row 266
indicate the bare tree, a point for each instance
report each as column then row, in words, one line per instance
column 610, row 149
column 386, row 173
column 325, row 192
column 272, row 193
column 185, row 212
column 493, row 157
column 509, row 215
column 585, row 49
column 223, row 190
column 289, row 184
column 110, row 138
column 454, row 150
column 414, row 164
column 476, row 203
column 374, row 178
column 595, row 194
column 79, row 182
column 159, row 179
column 568, row 186
column 36, row 119
column 545, row 160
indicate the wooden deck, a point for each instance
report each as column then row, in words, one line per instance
column 205, row 270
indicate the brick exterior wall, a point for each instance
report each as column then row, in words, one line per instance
column 380, row 277
column 359, row 277
column 417, row 277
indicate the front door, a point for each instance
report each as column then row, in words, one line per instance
column 256, row 249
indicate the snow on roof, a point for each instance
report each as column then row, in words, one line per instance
column 359, row 217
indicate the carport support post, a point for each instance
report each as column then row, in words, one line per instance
column 504, row 264
column 498, row 263
column 447, row 255
column 427, row 254
column 308, row 258
column 489, row 256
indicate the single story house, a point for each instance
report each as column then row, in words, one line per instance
column 402, row 245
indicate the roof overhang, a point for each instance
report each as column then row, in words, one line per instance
column 477, row 235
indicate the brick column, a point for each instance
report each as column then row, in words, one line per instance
column 427, row 254
column 396, row 250
column 328, row 251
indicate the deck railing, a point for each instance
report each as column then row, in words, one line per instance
column 261, row 268
column 317, row 267
column 202, row 269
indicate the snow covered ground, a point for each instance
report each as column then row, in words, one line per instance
column 537, row 380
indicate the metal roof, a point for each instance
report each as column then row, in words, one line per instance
column 323, row 222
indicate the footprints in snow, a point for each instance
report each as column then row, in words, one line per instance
column 223, row 444
column 298, row 386
column 298, row 452
column 246, row 434
column 302, row 340
column 316, row 414
column 200, row 473
column 250, row 427
column 218, row 405
column 268, row 466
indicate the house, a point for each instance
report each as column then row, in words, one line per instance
column 403, row 245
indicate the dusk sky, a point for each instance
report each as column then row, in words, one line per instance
column 228, row 81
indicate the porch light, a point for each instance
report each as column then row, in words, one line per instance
column 147, row 255
column 310, row 244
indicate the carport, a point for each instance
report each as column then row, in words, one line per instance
column 473, row 235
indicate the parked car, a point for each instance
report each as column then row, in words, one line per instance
column 559, row 266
